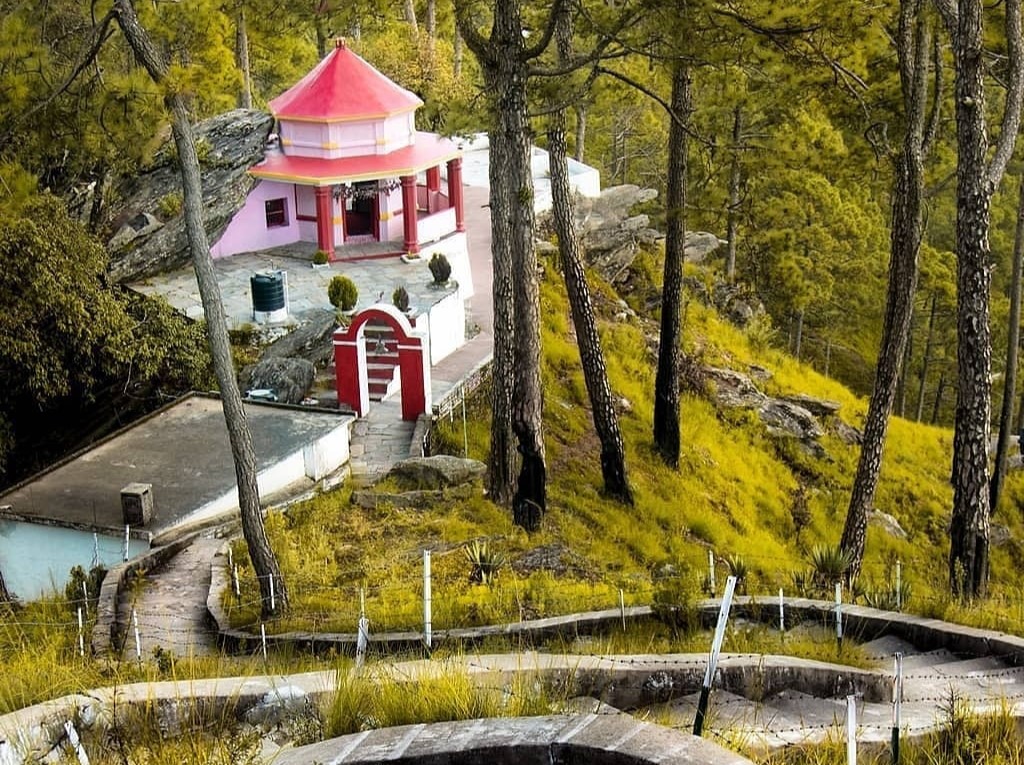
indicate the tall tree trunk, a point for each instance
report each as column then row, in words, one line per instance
column 926, row 361
column 502, row 454
column 320, row 29
column 912, row 48
column 1010, row 375
column 908, row 355
column 242, row 57
column 410, row 15
column 940, row 391
column 581, row 131
column 5, row 595
column 666, row 383
column 264, row 562
column 798, row 335
column 969, row 529
column 735, row 178
column 99, row 191
column 457, row 53
column 431, row 25
column 595, row 374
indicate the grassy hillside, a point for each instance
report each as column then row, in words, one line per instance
column 760, row 503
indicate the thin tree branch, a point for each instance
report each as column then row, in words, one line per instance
column 1014, row 95
column 679, row 121
column 541, row 45
column 950, row 13
column 934, row 118
column 100, row 35
column 475, row 41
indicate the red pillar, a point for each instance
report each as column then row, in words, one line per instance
column 434, row 178
column 350, row 370
column 410, row 361
column 325, row 220
column 411, row 243
column 455, row 192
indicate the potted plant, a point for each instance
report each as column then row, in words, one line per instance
column 320, row 260
column 400, row 299
column 440, row 268
column 342, row 293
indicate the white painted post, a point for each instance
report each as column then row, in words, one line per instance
column 234, row 581
column 362, row 630
column 427, row 626
column 711, row 571
column 85, row 594
column 465, row 432
column 76, row 743
column 127, row 533
column 138, row 640
column 263, row 639
column 716, row 648
column 95, row 550
column 362, row 640
column 231, row 558
column 899, row 585
column 782, row 612
column 851, row 730
column 622, row 608
column 839, row 615
column 81, row 637
column 897, row 701
column 273, row 604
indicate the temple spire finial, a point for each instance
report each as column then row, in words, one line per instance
column 339, row 42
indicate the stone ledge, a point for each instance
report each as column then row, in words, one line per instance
column 595, row 739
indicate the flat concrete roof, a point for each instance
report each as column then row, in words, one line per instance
column 182, row 450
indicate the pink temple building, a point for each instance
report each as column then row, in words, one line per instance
column 350, row 169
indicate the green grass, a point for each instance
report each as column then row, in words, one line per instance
column 734, row 493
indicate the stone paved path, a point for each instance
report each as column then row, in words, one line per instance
column 379, row 440
column 171, row 606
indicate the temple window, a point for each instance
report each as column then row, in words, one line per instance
column 277, row 212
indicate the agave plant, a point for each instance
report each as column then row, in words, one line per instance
column 829, row 564
column 485, row 561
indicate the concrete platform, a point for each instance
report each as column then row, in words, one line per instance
column 47, row 522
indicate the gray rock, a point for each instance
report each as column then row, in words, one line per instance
column 311, row 340
column 588, row 705
column 141, row 226
column 787, row 419
column 886, row 523
column 819, row 407
column 437, row 472
column 734, row 389
column 417, row 499
column 289, row 378
column 999, row 535
column 848, row 434
column 230, row 144
column 545, row 248
column 278, row 705
column 698, row 245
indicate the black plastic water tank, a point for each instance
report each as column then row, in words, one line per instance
column 267, row 291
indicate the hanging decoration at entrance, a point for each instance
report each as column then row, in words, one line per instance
column 366, row 190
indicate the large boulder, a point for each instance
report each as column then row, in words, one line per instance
column 311, row 341
column 289, row 378
column 437, row 472
column 147, row 230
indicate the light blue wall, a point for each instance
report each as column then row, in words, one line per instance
column 35, row 559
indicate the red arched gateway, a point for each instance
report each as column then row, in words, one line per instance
column 413, row 361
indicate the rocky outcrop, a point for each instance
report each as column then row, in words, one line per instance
column 612, row 235
column 310, row 341
column 794, row 416
column 289, row 378
column 735, row 302
column 146, row 228
column 437, row 472
column 886, row 523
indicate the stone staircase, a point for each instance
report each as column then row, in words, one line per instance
column 933, row 681
column 382, row 370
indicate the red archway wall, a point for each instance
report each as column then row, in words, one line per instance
column 413, row 362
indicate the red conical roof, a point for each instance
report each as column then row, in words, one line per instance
column 343, row 87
